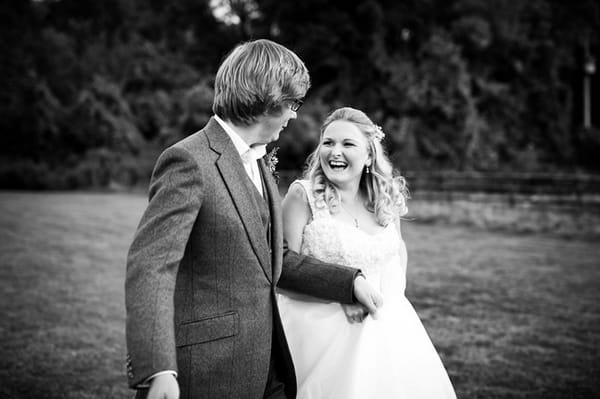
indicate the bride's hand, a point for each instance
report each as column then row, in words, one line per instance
column 355, row 313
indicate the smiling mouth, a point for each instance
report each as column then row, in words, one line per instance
column 337, row 165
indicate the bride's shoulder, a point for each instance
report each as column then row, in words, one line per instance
column 297, row 195
column 298, row 190
column 296, row 203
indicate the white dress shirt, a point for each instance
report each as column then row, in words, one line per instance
column 248, row 154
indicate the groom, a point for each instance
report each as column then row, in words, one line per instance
column 202, row 315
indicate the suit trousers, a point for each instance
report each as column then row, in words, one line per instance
column 274, row 388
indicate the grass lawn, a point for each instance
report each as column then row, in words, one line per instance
column 513, row 316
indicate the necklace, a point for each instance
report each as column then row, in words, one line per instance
column 351, row 215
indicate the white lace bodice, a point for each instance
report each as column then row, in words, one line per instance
column 334, row 241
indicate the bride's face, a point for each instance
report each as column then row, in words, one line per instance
column 343, row 153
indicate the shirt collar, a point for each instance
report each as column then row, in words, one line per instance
column 257, row 151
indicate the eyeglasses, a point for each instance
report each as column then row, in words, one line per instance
column 295, row 105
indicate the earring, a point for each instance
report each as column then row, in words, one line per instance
column 367, row 170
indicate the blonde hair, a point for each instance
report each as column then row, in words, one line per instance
column 256, row 79
column 386, row 192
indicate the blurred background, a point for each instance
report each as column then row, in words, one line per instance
column 491, row 109
column 93, row 90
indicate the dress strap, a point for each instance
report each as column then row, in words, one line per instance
column 316, row 212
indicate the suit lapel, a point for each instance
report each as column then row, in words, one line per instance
column 272, row 193
column 233, row 173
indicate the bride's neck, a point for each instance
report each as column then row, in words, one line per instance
column 350, row 195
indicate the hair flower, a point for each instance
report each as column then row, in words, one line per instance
column 379, row 134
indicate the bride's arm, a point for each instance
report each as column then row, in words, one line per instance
column 296, row 215
column 398, row 226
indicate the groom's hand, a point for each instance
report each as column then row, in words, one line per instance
column 367, row 295
column 355, row 313
column 163, row 386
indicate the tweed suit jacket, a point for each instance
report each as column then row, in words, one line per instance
column 200, row 284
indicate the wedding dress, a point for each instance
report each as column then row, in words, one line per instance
column 388, row 357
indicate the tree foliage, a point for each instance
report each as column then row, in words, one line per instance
column 462, row 85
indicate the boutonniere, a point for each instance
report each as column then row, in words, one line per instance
column 271, row 161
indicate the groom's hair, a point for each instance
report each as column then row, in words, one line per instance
column 256, row 79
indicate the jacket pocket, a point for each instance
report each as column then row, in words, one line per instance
column 208, row 329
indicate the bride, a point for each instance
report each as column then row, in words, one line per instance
column 347, row 210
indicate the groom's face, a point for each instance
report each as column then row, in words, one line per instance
column 273, row 124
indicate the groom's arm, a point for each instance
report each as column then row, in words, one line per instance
column 328, row 281
column 323, row 280
column 152, row 265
